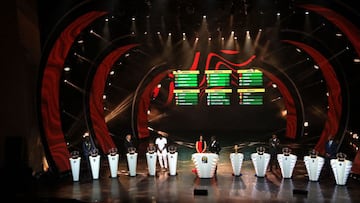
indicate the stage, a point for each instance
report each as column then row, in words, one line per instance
column 185, row 186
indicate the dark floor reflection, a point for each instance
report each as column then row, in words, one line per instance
column 341, row 194
column 238, row 187
column 314, row 191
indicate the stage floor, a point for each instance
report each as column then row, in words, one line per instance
column 185, row 186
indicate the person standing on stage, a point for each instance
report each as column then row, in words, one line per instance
column 274, row 144
column 331, row 148
column 330, row 151
column 128, row 143
column 214, row 145
column 200, row 145
column 161, row 144
column 89, row 149
column 88, row 145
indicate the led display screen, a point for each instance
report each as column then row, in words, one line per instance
column 218, row 89
column 186, row 87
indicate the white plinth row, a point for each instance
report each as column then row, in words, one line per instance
column 341, row 168
column 206, row 163
column 151, row 159
column 114, row 162
column 94, row 165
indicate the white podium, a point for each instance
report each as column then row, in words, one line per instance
column 113, row 164
column 205, row 164
column 151, row 163
column 95, row 166
column 260, row 162
column 341, row 169
column 236, row 163
column 287, row 163
column 172, row 158
column 132, row 163
column 75, row 168
column 314, row 165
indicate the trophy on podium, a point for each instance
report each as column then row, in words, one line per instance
column 286, row 162
column 172, row 158
column 236, row 159
column 132, row 160
column 151, row 157
column 94, row 159
column 314, row 165
column 260, row 160
column 75, row 165
column 341, row 168
column 113, row 158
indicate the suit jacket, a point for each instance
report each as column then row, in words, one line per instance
column 331, row 149
column 215, row 147
column 128, row 144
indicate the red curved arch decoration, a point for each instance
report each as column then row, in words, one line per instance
column 353, row 34
column 291, row 116
column 349, row 29
column 144, row 103
column 334, row 99
column 96, row 100
column 50, row 109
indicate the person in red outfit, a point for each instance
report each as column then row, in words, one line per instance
column 200, row 145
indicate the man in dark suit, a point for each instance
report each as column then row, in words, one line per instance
column 330, row 151
column 128, row 143
column 214, row 147
column 274, row 144
column 89, row 149
column 331, row 148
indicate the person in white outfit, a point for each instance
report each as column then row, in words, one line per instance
column 161, row 145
